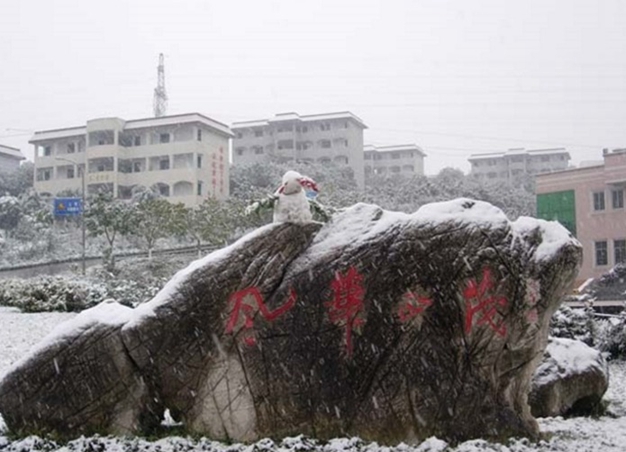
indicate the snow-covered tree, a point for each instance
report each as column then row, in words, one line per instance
column 108, row 217
column 154, row 219
column 10, row 214
column 17, row 182
column 213, row 221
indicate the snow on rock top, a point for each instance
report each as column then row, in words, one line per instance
column 361, row 222
column 461, row 210
column 568, row 357
column 112, row 314
column 553, row 235
column 165, row 294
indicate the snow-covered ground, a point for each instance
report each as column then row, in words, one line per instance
column 19, row 332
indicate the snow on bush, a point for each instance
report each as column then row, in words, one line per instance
column 50, row 293
column 135, row 281
column 606, row 334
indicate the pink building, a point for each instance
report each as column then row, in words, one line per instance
column 589, row 201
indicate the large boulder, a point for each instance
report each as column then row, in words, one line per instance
column 571, row 380
column 383, row 325
column 80, row 379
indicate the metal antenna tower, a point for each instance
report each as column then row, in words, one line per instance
column 160, row 96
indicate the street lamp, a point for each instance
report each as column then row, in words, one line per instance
column 82, row 200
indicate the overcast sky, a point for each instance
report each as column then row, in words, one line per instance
column 456, row 77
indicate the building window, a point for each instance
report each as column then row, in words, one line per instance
column 239, row 151
column 258, row 150
column 602, row 257
column 101, row 137
column 325, row 126
column 619, row 248
column 164, row 189
column 492, row 175
column 345, row 125
column 44, row 174
column 199, row 135
column 598, row 200
column 258, row 133
column 136, row 167
column 545, row 158
column 70, row 173
column 71, row 148
column 47, row 151
column 617, row 197
column 164, row 138
column 164, row 164
column 199, row 188
column 137, row 140
column 239, row 135
column 305, row 129
column 492, row 162
column 199, row 161
column 285, row 144
column 395, row 156
column 325, row 144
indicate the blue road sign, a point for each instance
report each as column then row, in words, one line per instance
column 68, row 206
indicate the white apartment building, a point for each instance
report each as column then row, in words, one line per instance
column 184, row 156
column 505, row 166
column 336, row 137
column 407, row 159
column 10, row 159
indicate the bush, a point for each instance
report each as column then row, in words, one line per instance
column 608, row 335
column 50, row 293
column 135, row 281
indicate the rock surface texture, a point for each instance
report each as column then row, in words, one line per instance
column 388, row 326
column 571, row 380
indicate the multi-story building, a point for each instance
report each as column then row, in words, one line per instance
column 184, row 156
column 505, row 166
column 336, row 137
column 589, row 201
column 407, row 159
column 10, row 158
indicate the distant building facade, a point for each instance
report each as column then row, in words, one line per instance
column 184, row 156
column 506, row 166
column 589, row 201
column 406, row 159
column 336, row 137
column 10, row 158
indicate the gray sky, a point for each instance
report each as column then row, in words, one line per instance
column 456, row 77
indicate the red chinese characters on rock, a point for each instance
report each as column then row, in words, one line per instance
column 482, row 303
column 412, row 305
column 345, row 309
column 246, row 304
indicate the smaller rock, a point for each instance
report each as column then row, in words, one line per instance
column 571, row 380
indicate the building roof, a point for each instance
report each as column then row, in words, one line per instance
column 517, row 151
column 392, row 148
column 292, row 116
column 11, row 152
column 131, row 124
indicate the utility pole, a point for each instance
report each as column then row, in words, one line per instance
column 82, row 207
column 160, row 96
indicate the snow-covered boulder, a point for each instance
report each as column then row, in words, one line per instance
column 571, row 380
column 382, row 325
column 79, row 379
